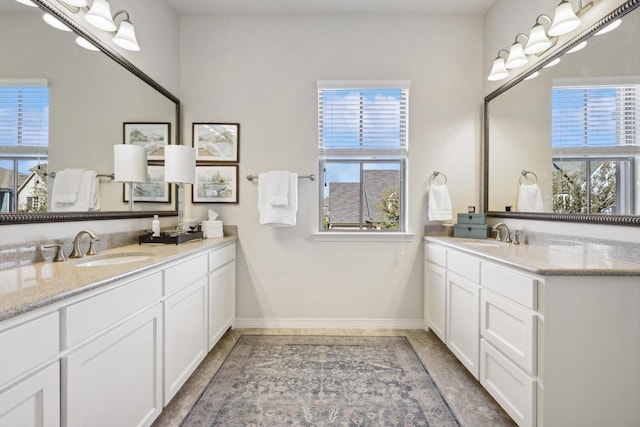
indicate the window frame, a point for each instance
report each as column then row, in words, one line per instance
column 364, row 157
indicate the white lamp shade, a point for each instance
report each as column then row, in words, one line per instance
column 129, row 163
column 179, row 164
column 27, row 3
column 538, row 40
column 498, row 71
column 100, row 16
column 81, row 41
column 516, row 57
column 76, row 3
column 126, row 37
column 564, row 20
column 55, row 22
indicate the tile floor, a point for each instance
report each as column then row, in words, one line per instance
column 471, row 403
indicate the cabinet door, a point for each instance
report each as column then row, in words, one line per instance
column 463, row 320
column 185, row 335
column 435, row 299
column 34, row 402
column 115, row 380
column 222, row 301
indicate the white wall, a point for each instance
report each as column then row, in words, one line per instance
column 261, row 73
column 504, row 20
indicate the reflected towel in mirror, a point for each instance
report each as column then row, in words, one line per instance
column 529, row 198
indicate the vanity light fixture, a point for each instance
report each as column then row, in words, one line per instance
column 612, row 26
column 129, row 166
column 99, row 16
column 498, row 70
column 76, row 3
column 532, row 75
column 552, row 63
column 180, row 168
column 538, row 40
column 578, row 47
column 82, row 42
column 27, row 3
column 517, row 57
column 126, row 36
column 565, row 19
column 55, row 22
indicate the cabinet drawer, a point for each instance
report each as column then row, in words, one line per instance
column 222, row 256
column 27, row 345
column 510, row 284
column 90, row 316
column 436, row 254
column 181, row 275
column 510, row 328
column 463, row 264
column 512, row 388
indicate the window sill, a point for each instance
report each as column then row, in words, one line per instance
column 329, row 236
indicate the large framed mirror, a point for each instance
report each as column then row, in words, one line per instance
column 562, row 140
column 93, row 98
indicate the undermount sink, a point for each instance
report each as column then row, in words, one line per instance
column 113, row 259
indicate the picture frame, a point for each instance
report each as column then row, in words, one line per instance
column 217, row 142
column 152, row 136
column 153, row 191
column 215, row 184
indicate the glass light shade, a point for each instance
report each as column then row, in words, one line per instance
column 533, row 75
column 538, row 40
column 615, row 24
column 100, row 16
column 578, row 47
column 129, row 163
column 27, row 3
column 126, row 37
column 498, row 71
column 179, row 164
column 55, row 22
column 82, row 42
column 564, row 20
column 552, row 63
column 516, row 57
column 76, row 3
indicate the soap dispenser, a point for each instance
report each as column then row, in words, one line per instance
column 155, row 226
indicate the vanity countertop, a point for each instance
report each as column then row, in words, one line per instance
column 32, row 286
column 553, row 258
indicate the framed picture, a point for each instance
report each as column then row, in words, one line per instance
column 155, row 190
column 216, row 142
column 152, row 136
column 216, row 184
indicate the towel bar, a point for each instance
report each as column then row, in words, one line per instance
column 524, row 174
column 309, row 177
column 100, row 175
column 435, row 175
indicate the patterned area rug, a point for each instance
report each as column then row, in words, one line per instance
column 321, row 381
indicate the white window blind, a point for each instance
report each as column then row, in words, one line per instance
column 595, row 115
column 24, row 113
column 362, row 122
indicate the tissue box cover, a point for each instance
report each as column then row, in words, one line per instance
column 212, row 229
column 471, row 231
column 471, row 218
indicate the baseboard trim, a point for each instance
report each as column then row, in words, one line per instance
column 277, row 323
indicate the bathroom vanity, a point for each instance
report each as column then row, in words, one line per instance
column 552, row 335
column 67, row 330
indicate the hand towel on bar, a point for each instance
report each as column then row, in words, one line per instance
column 280, row 215
column 276, row 187
column 67, row 185
column 529, row 198
column 439, row 203
column 88, row 195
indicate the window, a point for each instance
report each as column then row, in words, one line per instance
column 24, row 141
column 362, row 147
column 594, row 133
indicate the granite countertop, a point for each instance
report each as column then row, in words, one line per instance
column 559, row 258
column 28, row 287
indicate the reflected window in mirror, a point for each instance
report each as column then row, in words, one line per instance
column 593, row 133
column 24, row 142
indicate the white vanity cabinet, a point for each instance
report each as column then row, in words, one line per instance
column 222, row 292
column 185, row 321
column 435, row 288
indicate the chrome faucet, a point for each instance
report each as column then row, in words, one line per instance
column 507, row 237
column 76, row 252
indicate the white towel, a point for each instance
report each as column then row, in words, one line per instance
column 276, row 187
column 67, row 185
column 278, row 215
column 439, row 203
column 87, row 198
column 529, row 198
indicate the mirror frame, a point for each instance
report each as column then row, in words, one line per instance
column 28, row 218
column 619, row 12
